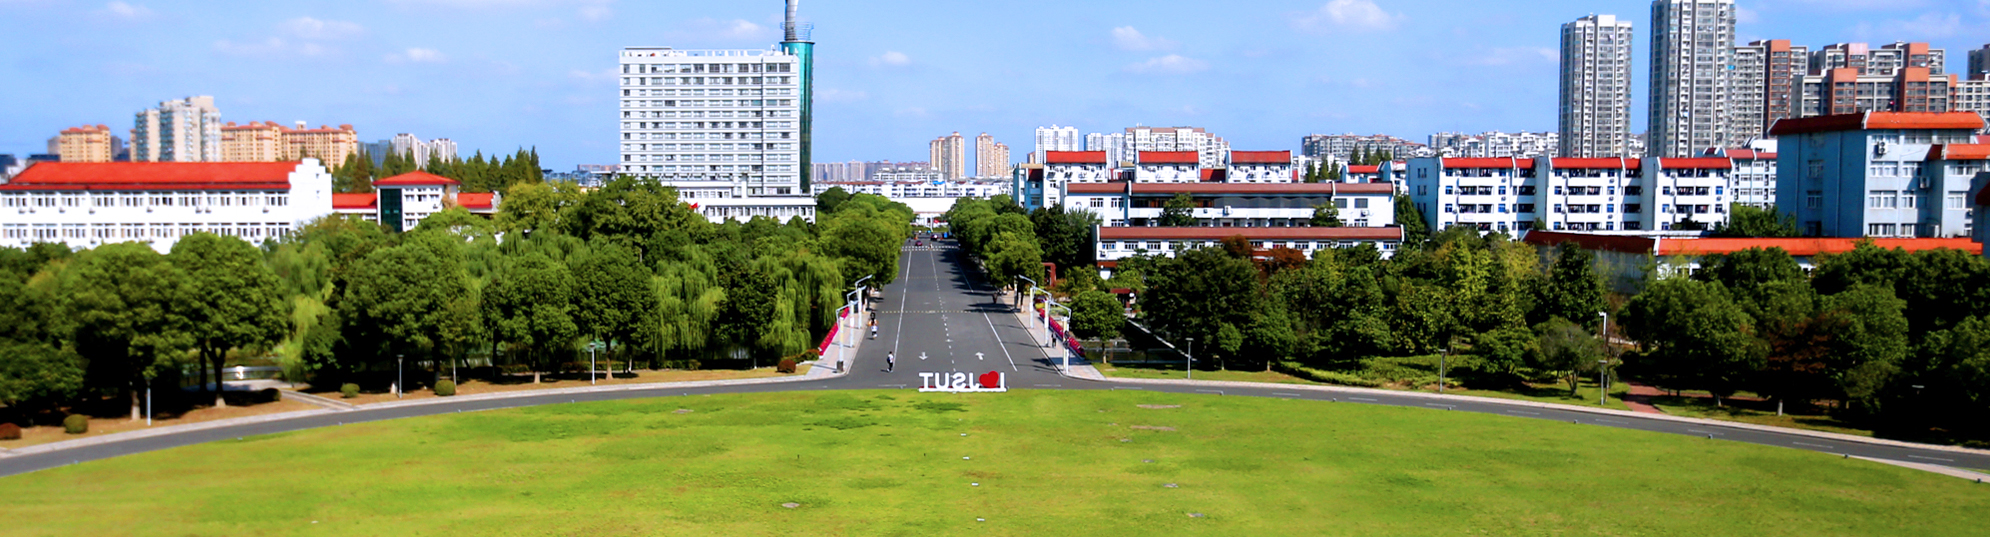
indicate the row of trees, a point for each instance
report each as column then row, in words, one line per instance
column 627, row 265
column 477, row 173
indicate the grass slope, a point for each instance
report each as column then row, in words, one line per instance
column 1047, row 463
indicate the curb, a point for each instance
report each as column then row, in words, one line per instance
column 162, row 431
column 320, row 401
column 1572, row 408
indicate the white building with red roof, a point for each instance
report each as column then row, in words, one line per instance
column 1651, row 196
column 1240, row 205
column 85, row 205
column 1116, row 243
column 1876, row 174
column 402, row 201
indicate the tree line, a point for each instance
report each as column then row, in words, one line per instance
column 341, row 300
column 477, row 173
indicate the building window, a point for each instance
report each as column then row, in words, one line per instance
column 1361, row 203
column 1956, row 201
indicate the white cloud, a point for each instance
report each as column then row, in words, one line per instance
column 1347, row 15
column 707, row 29
column 1128, row 38
column 274, row 47
column 1515, row 56
column 417, row 55
column 1928, row 25
column 892, row 58
column 127, row 11
column 310, row 28
column 834, row 95
column 1172, row 64
column 1749, row 16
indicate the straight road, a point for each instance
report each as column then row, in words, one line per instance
column 936, row 307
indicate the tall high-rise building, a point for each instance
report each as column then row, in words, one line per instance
column 1765, row 73
column 1055, row 138
column 255, row 142
column 1979, row 64
column 729, row 129
column 1212, row 151
column 186, row 130
column 88, row 143
column 949, row 155
column 1886, row 60
column 327, row 144
column 442, row 149
column 1692, row 57
column 409, row 146
column 991, row 159
column 1595, row 119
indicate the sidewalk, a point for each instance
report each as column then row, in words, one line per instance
column 218, row 424
column 825, row 367
column 1081, row 368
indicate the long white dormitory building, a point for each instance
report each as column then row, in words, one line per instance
column 84, row 205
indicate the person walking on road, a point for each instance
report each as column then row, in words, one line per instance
column 890, row 361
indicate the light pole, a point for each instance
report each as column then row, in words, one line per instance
column 1602, row 378
column 400, row 387
column 1031, row 294
column 1443, row 356
column 1190, row 365
column 148, row 399
column 590, row 362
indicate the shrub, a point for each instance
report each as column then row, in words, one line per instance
column 445, row 388
column 76, row 424
column 349, row 390
column 269, row 395
column 1329, row 377
column 9, row 431
column 787, row 365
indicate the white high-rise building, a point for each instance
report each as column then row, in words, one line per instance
column 1212, row 151
column 186, row 130
column 1692, row 63
column 443, row 149
column 412, row 147
column 1595, row 118
column 1113, row 145
column 1055, row 138
column 715, row 124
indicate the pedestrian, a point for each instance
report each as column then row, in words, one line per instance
column 890, row 361
column 874, row 331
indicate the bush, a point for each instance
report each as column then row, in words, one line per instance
column 9, row 431
column 1329, row 377
column 269, row 395
column 787, row 366
column 445, row 389
column 76, row 424
column 349, row 390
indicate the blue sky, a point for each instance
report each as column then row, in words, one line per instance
column 892, row 75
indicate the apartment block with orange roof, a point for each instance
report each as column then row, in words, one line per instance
column 1871, row 174
column 88, row 143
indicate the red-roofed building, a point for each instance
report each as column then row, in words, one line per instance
column 1241, row 205
column 88, row 143
column 1513, row 195
column 1116, row 243
column 1753, row 179
column 1260, row 167
column 1870, row 174
column 1622, row 259
column 84, row 205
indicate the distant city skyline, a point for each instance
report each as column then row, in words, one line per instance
column 501, row 75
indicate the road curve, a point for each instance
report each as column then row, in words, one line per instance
column 966, row 330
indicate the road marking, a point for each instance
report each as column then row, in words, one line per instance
column 998, row 343
column 1217, row 392
column 1703, row 432
column 1360, row 399
column 899, row 334
column 1287, row 394
column 1611, row 421
column 1811, row 445
column 1520, row 412
column 1117, row 388
column 1930, row 458
column 1435, row 405
column 1048, row 385
column 922, row 356
column 979, row 356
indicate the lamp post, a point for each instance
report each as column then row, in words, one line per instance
column 1443, row 359
column 400, row 386
column 1602, row 379
column 148, row 399
column 1190, row 365
column 590, row 362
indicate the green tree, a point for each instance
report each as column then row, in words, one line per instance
column 1752, row 221
column 1065, row 236
column 1567, row 350
column 1178, row 211
column 864, row 242
column 1096, row 314
column 611, row 294
column 237, row 302
column 1943, row 287
column 1415, row 230
column 1012, row 255
column 1326, row 215
column 1572, row 290
column 828, row 201
column 628, row 212
column 402, row 300
column 531, row 305
column 532, row 207
column 129, row 307
column 35, row 374
column 1952, row 369
column 1865, row 264
column 1694, row 334
column 1198, row 293
column 1871, row 342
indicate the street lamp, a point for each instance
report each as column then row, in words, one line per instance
column 1603, row 366
column 1443, row 357
column 148, row 398
column 1190, row 369
column 590, row 361
column 400, row 387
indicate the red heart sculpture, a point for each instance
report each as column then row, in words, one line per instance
column 991, row 379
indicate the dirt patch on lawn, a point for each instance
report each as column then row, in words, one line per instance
column 1159, row 407
column 1152, row 428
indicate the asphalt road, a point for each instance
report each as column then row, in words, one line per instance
column 935, row 308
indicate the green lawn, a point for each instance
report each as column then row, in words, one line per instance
column 1177, row 374
column 1047, row 463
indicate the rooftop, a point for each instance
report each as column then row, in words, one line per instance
column 1260, row 157
column 1233, row 188
column 1170, row 157
column 1878, row 120
column 1074, row 157
column 416, row 179
column 1252, row 233
column 154, row 176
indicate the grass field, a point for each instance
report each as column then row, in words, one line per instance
column 1046, row 463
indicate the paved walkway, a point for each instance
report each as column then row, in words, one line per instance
column 1639, row 399
column 1081, row 368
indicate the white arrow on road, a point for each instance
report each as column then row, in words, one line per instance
column 978, row 356
column 922, row 356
